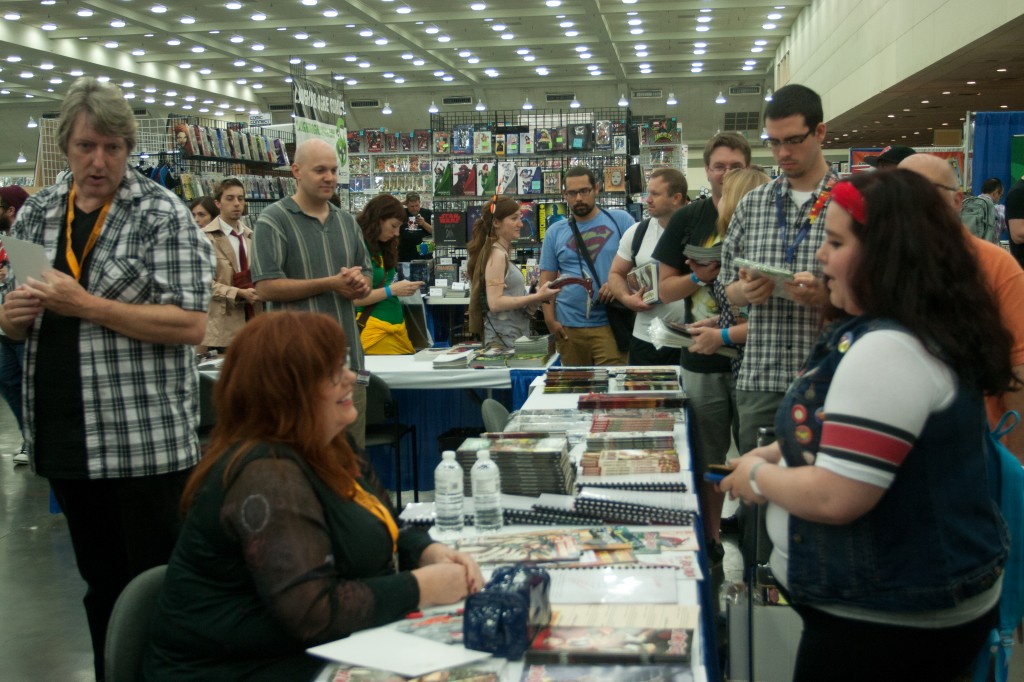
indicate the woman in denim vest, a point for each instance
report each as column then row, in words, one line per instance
column 886, row 540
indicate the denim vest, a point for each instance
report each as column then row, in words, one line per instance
column 935, row 537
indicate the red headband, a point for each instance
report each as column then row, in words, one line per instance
column 850, row 198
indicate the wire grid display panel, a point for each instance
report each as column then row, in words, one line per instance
column 151, row 138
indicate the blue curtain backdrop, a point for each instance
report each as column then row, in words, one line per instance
column 992, row 133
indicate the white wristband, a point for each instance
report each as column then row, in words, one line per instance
column 753, row 478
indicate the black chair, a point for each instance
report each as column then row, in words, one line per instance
column 131, row 625
column 384, row 428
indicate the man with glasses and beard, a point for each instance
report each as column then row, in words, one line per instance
column 582, row 340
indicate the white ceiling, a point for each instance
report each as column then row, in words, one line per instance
column 201, row 68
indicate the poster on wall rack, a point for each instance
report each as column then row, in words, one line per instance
column 320, row 114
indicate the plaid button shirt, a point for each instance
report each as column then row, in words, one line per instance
column 140, row 399
column 781, row 332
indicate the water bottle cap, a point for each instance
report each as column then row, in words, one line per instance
column 483, row 454
column 448, row 455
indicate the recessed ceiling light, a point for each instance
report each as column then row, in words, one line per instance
column 137, row 52
column 366, row 33
column 553, row 3
column 769, row 27
column 757, row 49
column 187, row 20
column 14, row 59
column 475, row 60
column 309, row 3
column 301, row 35
column 702, row 29
column 310, row 67
column 233, row 5
column 46, row 66
column 636, row 31
column 761, row 43
column 351, row 81
column 696, row 63
column 110, row 44
column 585, row 55
column 117, row 23
column 448, row 79
column 635, row 22
column 84, row 12
column 700, row 44
column 198, row 49
column 399, row 80
column 695, row 52
column 236, row 39
column 158, row 9
column 746, row 68
column 972, row 82
column 351, row 58
column 56, row 81
column 438, row 74
column 447, row 38
column 498, row 27
column 258, row 47
column 149, row 100
column 49, row 26
column 642, row 53
column 294, row 60
column 478, row 7
column 174, row 42
column 388, row 74
column 26, row 74
column 645, row 71
column 571, row 34
column 432, row 30
column 190, row 98
column 259, row 16
column 330, row 13
column 566, row 24
column 592, row 67
column 640, row 46
column 703, row 20
column 12, row 16
column 381, row 41
column 1001, row 70
column 945, row 92
column 128, row 84
column 581, row 48
column 695, row 69
column 521, row 51
column 774, row 16
column 645, row 65
column 364, row 65
column 542, row 71
column 420, row 62
column 403, row 10
column 924, row 101
column 76, row 73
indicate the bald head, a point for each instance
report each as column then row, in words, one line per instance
column 939, row 173
column 309, row 149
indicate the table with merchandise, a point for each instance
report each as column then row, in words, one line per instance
column 596, row 489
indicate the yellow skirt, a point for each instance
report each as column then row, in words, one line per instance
column 382, row 338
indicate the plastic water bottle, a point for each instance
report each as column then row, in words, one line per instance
column 486, row 481
column 448, row 495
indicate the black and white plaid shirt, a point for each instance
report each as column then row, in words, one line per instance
column 781, row 332
column 140, row 399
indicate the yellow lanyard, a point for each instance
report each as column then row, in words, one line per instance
column 73, row 264
column 373, row 505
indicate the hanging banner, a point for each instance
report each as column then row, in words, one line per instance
column 319, row 113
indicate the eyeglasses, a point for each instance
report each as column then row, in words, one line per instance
column 794, row 141
column 581, row 193
column 718, row 169
column 338, row 374
column 947, row 187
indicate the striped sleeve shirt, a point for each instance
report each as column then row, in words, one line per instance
column 883, row 392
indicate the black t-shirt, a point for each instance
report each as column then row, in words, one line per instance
column 692, row 224
column 60, row 450
column 1015, row 211
column 411, row 236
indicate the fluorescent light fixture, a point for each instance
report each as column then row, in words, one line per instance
column 432, row 109
column 32, row 123
column 387, row 109
column 575, row 104
column 671, row 101
column 527, row 105
column 623, row 102
column 480, row 106
column 720, row 99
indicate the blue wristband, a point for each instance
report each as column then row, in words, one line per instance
column 693, row 278
column 387, row 291
column 725, row 336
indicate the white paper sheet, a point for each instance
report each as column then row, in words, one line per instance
column 28, row 259
column 398, row 652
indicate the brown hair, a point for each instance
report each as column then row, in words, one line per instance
column 269, row 392
column 674, row 180
column 207, row 203
column 479, row 249
column 380, row 208
column 733, row 141
column 224, row 184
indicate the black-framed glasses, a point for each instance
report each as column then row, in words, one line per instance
column 582, row 193
column 718, row 169
column 794, row 141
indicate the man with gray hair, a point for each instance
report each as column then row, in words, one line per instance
column 111, row 381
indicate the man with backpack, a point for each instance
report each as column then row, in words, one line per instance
column 978, row 214
column 666, row 193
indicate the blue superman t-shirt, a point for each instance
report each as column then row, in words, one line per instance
column 559, row 254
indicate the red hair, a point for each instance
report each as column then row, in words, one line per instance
column 269, row 391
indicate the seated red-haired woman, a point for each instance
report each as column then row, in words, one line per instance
column 288, row 540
